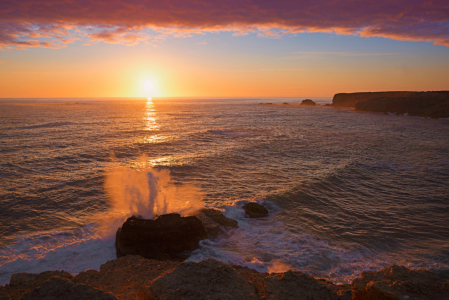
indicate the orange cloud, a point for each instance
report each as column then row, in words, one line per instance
column 54, row 23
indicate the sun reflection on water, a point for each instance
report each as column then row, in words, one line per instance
column 150, row 116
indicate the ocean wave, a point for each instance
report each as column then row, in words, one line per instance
column 234, row 133
column 47, row 125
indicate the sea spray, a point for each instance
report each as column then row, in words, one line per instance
column 146, row 192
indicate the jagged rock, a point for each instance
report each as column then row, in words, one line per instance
column 308, row 102
column 397, row 282
column 3, row 296
column 164, row 238
column 21, row 278
column 295, row 285
column 255, row 210
column 209, row 279
column 214, row 221
column 123, row 276
column 61, row 288
column 22, row 283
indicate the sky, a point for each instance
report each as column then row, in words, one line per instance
column 226, row 48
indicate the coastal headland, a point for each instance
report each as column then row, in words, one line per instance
column 135, row 277
column 433, row 104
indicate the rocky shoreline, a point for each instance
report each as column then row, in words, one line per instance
column 150, row 267
column 134, row 277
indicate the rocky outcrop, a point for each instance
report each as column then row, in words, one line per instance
column 350, row 99
column 133, row 277
column 255, row 210
column 308, row 102
column 296, row 285
column 164, row 238
column 397, row 282
column 23, row 283
column 215, row 222
column 209, row 279
column 424, row 104
column 58, row 288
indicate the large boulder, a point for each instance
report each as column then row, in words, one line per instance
column 58, row 288
column 209, row 279
column 397, row 282
column 255, row 210
column 164, row 238
column 215, row 222
column 295, row 285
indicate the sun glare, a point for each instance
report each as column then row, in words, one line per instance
column 148, row 87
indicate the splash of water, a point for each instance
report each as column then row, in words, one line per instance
column 146, row 192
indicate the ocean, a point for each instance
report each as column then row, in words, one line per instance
column 347, row 191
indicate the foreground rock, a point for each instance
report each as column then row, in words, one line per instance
column 423, row 104
column 350, row 99
column 61, row 288
column 255, row 210
column 308, row 102
column 296, row 285
column 133, row 277
column 215, row 222
column 209, row 279
column 397, row 282
column 164, row 238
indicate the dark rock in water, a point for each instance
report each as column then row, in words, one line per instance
column 396, row 282
column 255, row 210
column 163, row 239
column 308, row 102
column 214, row 221
column 209, row 279
column 423, row 104
column 61, row 288
column 296, row 285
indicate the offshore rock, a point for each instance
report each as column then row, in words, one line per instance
column 215, row 221
column 61, row 288
column 423, row 104
column 164, row 238
column 255, row 210
column 209, row 279
column 296, row 285
column 3, row 296
column 350, row 99
column 308, row 102
column 397, row 282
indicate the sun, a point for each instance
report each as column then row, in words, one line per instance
column 148, row 87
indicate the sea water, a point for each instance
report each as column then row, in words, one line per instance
column 347, row 191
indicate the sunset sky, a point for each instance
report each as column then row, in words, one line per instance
column 245, row 48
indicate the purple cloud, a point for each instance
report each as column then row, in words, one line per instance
column 54, row 23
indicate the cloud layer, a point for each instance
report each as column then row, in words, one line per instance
column 54, row 23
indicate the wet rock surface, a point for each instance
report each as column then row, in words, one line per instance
column 255, row 210
column 209, row 279
column 58, row 288
column 164, row 238
column 215, row 222
column 396, row 282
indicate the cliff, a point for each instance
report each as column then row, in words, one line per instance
column 134, row 277
column 350, row 99
column 423, row 104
